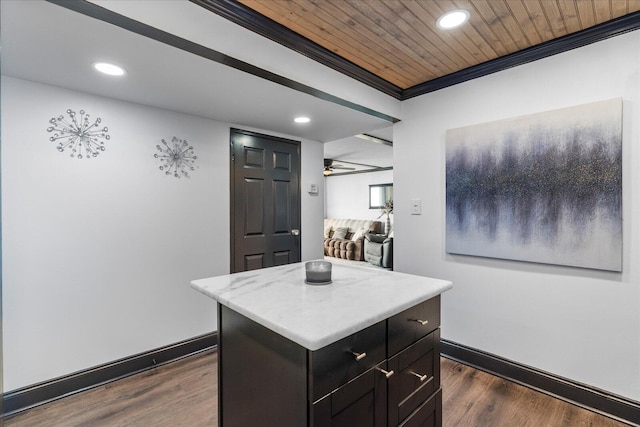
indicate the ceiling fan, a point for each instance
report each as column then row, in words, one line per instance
column 329, row 166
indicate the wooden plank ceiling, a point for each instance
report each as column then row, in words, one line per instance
column 398, row 40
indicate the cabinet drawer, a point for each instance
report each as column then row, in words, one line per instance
column 416, row 378
column 409, row 326
column 429, row 414
column 336, row 364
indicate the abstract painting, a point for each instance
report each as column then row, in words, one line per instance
column 541, row 188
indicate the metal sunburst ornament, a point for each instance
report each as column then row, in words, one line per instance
column 177, row 157
column 78, row 134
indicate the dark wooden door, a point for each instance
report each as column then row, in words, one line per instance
column 265, row 201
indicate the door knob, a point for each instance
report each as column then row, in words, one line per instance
column 295, row 232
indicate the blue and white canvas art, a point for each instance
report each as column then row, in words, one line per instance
column 542, row 188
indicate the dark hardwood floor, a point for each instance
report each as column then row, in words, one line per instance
column 184, row 393
column 475, row 398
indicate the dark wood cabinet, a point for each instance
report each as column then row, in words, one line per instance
column 429, row 414
column 336, row 364
column 413, row 351
column 416, row 377
column 410, row 325
column 360, row 402
column 385, row 375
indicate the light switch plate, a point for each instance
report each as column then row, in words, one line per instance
column 416, row 207
column 313, row 189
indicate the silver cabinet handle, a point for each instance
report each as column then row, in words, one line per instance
column 387, row 374
column 422, row 377
column 295, row 232
column 359, row 356
column 422, row 322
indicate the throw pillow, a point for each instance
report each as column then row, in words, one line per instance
column 327, row 231
column 358, row 234
column 340, row 233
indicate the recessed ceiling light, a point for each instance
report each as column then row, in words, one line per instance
column 110, row 69
column 302, row 119
column 453, row 19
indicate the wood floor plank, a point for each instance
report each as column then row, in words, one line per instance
column 184, row 393
column 474, row 398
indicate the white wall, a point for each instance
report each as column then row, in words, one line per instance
column 347, row 196
column 312, row 166
column 98, row 254
column 576, row 323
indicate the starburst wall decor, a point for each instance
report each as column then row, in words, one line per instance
column 83, row 138
column 177, row 158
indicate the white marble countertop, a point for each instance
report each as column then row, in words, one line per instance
column 315, row 316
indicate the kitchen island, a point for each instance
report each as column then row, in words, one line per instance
column 362, row 350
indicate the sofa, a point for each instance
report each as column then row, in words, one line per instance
column 344, row 238
column 378, row 250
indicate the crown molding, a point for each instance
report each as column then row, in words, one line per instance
column 566, row 43
column 260, row 24
column 252, row 20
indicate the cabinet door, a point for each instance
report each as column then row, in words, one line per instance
column 361, row 402
column 416, row 378
column 429, row 414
